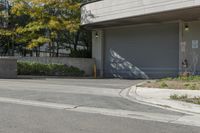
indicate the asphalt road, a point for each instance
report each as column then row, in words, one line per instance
column 80, row 106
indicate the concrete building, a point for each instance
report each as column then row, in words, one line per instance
column 144, row 38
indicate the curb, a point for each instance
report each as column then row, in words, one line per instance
column 131, row 94
column 51, row 77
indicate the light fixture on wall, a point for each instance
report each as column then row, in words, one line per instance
column 96, row 34
column 187, row 28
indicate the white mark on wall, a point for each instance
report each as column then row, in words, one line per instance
column 120, row 64
column 183, row 46
column 195, row 60
column 195, row 56
column 195, row 44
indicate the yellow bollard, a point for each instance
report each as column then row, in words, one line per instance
column 95, row 71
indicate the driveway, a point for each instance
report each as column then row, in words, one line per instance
column 80, row 106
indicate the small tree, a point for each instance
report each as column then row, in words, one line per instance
column 32, row 23
column 47, row 19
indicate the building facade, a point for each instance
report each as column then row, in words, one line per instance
column 144, row 38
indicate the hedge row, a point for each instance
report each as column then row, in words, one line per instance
column 38, row 69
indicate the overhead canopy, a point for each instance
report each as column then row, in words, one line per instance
column 189, row 14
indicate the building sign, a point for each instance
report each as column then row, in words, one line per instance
column 195, row 44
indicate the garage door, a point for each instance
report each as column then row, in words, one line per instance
column 142, row 52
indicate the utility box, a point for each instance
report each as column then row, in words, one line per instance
column 8, row 68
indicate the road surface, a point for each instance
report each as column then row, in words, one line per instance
column 80, row 106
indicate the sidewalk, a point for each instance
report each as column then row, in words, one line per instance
column 161, row 98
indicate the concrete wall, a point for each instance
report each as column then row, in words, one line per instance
column 189, row 52
column 81, row 63
column 8, row 68
column 115, row 9
column 150, row 51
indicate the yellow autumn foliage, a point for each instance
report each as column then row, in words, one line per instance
column 47, row 18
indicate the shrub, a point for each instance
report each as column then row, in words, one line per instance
column 168, row 79
column 193, row 86
column 174, row 97
column 38, row 69
column 185, row 98
column 177, row 97
column 187, row 85
column 163, row 85
column 189, row 78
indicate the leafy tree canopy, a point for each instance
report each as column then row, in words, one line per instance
column 33, row 23
column 44, row 20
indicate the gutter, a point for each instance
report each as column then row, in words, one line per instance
column 90, row 1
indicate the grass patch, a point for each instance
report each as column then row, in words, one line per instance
column 189, row 78
column 189, row 83
column 177, row 97
column 38, row 69
column 163, row 85
column 185, row 98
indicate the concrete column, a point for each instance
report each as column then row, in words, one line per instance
column 97, row 50
column 181, row 45
column 191, row 32
column 190, row 46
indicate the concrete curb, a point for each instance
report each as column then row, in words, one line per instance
column 135, row 99
column 135, row 94
column 52, row 77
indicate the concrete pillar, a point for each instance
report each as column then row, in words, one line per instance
column 98, row 50
column 190, row 46
column 181, row 46
column 183, row 49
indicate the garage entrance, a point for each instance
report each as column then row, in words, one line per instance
column 150, row 51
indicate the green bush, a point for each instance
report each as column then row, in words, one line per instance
column 163, row 85
column 189, row 78
column 185, row 98
column 38, row 69
column 179, row 97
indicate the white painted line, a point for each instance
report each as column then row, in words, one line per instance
column 129, row 114
column 63, row 89
column 36, row 103
column 185, row 120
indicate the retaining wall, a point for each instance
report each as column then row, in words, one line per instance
column 8, row 68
